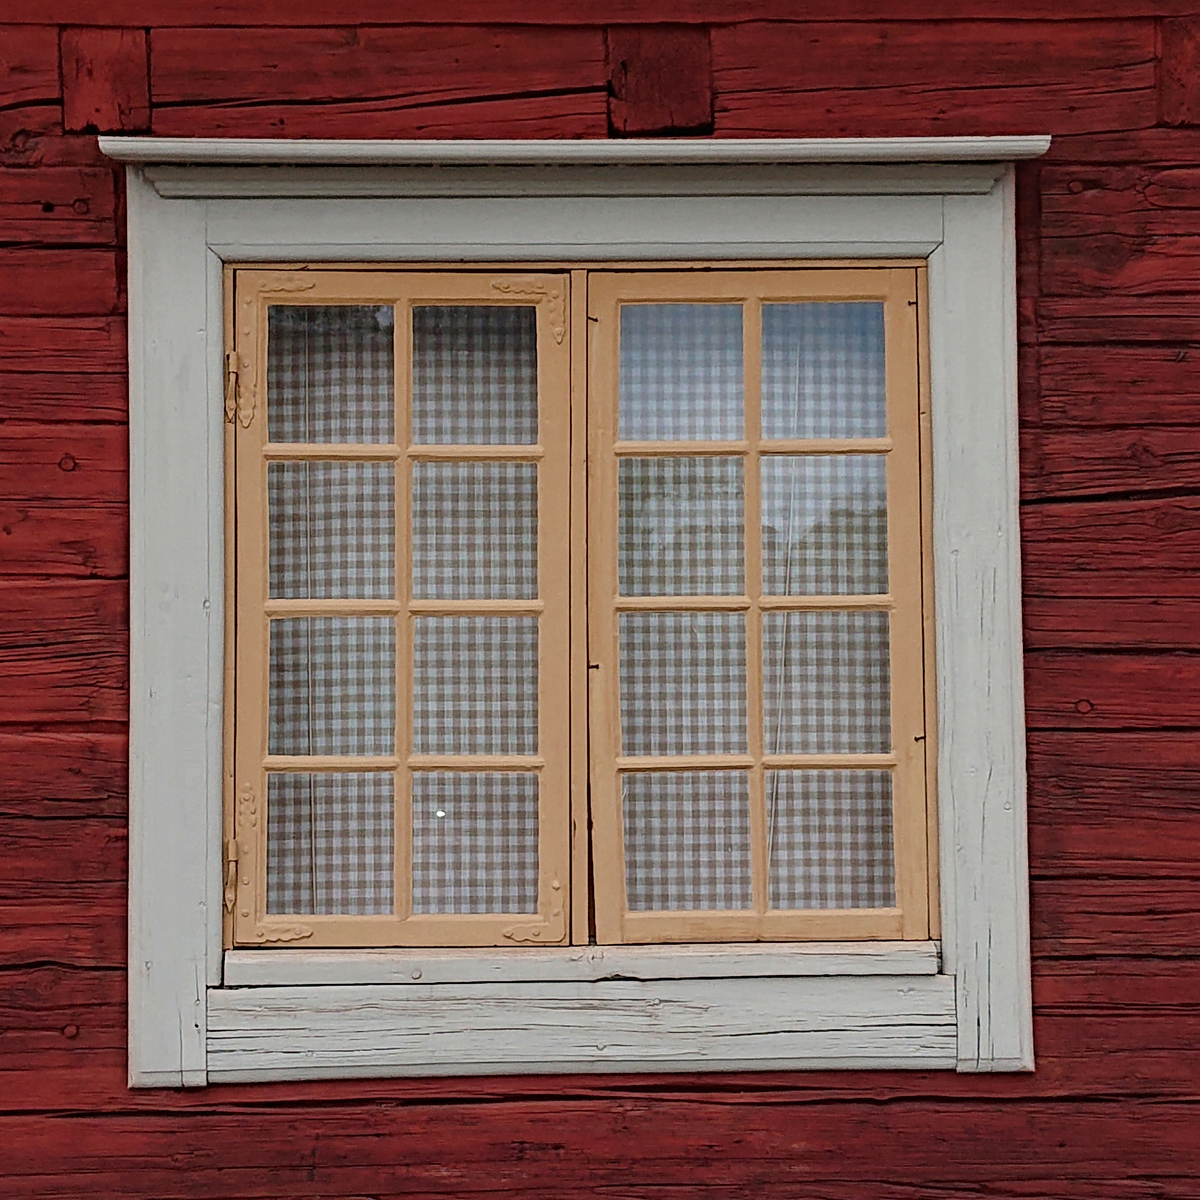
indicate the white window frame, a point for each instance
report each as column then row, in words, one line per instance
column 198, row 1013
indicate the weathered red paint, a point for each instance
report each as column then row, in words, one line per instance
column 1109, row 283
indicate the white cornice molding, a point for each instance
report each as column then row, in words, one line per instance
column 588, row 152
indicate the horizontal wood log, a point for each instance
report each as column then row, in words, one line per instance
column 53, row 614
column 1129, row 201
column 1105, row 320
column 1119, row 385
column 823, row 79
column 106, row 80
column 60, row 462
column 63, row 774
column 89, row 541
column 58, row 283
column 31, row 136
column 1136, row 266
column 91, row 345
column 29, row 65
column 1065, row 690
column 571, row 114
column 1133, row 548
column 634, row 1145
column 1143, row 147
column 1096, row 918
column 47, row 397
column 80, row 925
column 397, row 67
column 58, row 205
column 1127, row 460
column 1126, row 623
column 72, row 850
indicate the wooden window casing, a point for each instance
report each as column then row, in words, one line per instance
column 581, row 885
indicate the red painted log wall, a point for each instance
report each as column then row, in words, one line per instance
column 1110, row 401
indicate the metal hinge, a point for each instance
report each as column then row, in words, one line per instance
column 231, row 386
column 231, row 870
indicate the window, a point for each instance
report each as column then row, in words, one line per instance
column 769, row 220
column 749, row 584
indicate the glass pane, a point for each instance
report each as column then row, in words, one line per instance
column 474, row 375
column 333, row 685
column 475, row 842
column 681, row 527
column 474, row 530
column 332, row 530
column 829, row 839
column 330, row 371
column 683, row 683
column 826, row 683
column 824, row 525
column 687, row 840
column 475, row 685
column 681, row 372
column 823, row 370
column 330, row 843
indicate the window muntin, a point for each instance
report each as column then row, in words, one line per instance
column 748, row 789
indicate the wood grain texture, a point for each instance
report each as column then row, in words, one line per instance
column 58, row 283
column 831, row 79
column 28, row 65
column 105, row 80
column 63, row 462
column 1132, row 386
column 660, row 80
column 75, row 924
column 73, row 539
column 58, row 205
column 1179, row 72
column 59, row 345
column 63, row 774
column 47, row 397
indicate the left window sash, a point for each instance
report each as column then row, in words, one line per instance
column 373, row 797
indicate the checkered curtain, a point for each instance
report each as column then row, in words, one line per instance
column 823, row 370
column 332, row 680
column 826, row 678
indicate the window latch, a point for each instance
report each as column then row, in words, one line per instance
column 231, row 386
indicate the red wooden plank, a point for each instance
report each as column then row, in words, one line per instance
column 815, row 78
column 1129, row 201
column 1082, row 917
column 64, row 651
column 1179, row 72
column 80, row 925
column 32, row 136
column 63, row 774
column 1068, row 690
column 558, row 115
column 106, row 80
column 1132, row 548
column 633, row 1147
column 1144, row 147
column 660, row 79
column 1120, row 385
column 1127, row 623
column 93, row 345
column 90, row 541
column 75, row 850
column 58, row 282
column 1109, row 319
column 399, row 65
column 168, row 13
column 59, row 462
column 1132, row 459
column 56, row 205
column 70, row 398
column 1136, row 266
column 29, row 65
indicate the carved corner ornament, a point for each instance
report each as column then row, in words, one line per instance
column 555, row 295
column 552, row 931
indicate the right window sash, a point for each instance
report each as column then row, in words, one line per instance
column 759, row 657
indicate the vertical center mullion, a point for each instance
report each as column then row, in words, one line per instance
column 402, row 866
column 752, row 505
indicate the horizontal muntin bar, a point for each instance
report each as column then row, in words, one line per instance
column 307, row 764
column 380, row 452
column 742, row 603
column 449, row 608
column 743, row 762
column 476, row 453
column 808, row 447
column 476, row 762
column 332, row 608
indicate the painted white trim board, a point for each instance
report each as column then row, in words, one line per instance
column 181, row 1033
